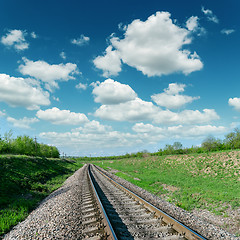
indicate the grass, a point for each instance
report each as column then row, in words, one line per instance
column 208, row 181
column 25, row 181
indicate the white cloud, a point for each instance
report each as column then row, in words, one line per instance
column 23, row 122
column 63, row 55
column 92, row 135
column 2, row 113
column 112, row 92
column 120, row 103
column 93, row 127
column 171, row 98
column 192, row 23
column 195, row 131
column 186, row 117
column 227, row 31
column 134, row 110
column 20, row 92
column 49, row 74
column 210, row 16
column 147, row 128
column 110, row 63
column 16, row 39
column 62, row 117
column 33, row 35
column 81, row 41
column 81, row 86
column 178, row 131
column 56, row 99
column 154, row 47
column 234, row 102
column 174, row 88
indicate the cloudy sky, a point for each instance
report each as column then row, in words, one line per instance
column 111, row 77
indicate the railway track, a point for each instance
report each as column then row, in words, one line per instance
column 109, row 211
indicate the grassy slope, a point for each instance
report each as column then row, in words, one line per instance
column 25, row 181
column 208, row 181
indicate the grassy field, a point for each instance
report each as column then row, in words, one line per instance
column 198, row 181
column 25, row 181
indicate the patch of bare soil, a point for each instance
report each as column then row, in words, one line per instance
column 170, row 188
column 111, row 170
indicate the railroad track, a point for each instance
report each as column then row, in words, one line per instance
column 109, row 211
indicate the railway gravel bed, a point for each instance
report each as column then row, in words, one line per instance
column 67, row 213
column 130, row 219
column 207, row 230
column 72, row 213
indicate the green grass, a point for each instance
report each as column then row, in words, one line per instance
column 208, row 181
column 25, row 181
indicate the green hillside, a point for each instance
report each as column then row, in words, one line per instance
column 25, row 181
column 208, row 181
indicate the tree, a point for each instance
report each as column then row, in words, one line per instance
column 212, row 144
column 232, row 140
column 177, row 146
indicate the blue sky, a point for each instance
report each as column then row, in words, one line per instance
column 108, row 77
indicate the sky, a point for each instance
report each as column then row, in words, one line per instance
column 98, row 78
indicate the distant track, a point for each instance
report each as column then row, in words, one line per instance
column 113, row 212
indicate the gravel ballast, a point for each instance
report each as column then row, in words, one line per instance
column 57, row 217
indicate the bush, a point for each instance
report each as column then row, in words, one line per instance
column 26, row 145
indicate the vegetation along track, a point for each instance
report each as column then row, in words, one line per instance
column 132, row 217
column 74, row 212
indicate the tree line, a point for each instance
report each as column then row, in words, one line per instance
column 25, row 145
column 210, row 144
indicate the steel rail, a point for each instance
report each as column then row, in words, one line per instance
column 107, row 224
column 178, row 226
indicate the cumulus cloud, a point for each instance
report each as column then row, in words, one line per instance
column 120, row 103
column 23, row 122
column 81, row 86
column 234, row 102
column 192, row 23
column 15, row 38
column 171, row 98
column 186, row 117
column 49, row 74
column 112, row 92
column 81, row 41
column 110, row 63
column 179, row 131
column 227, row 31
column 196, row 131
column 93, row 127
column 91, row 134
column 95, row 136
column 62, row 117
column 134, row 110
column 147, row 128
column 154, row 47
column 63, row 55
column 20, row 92
column 210, row 16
